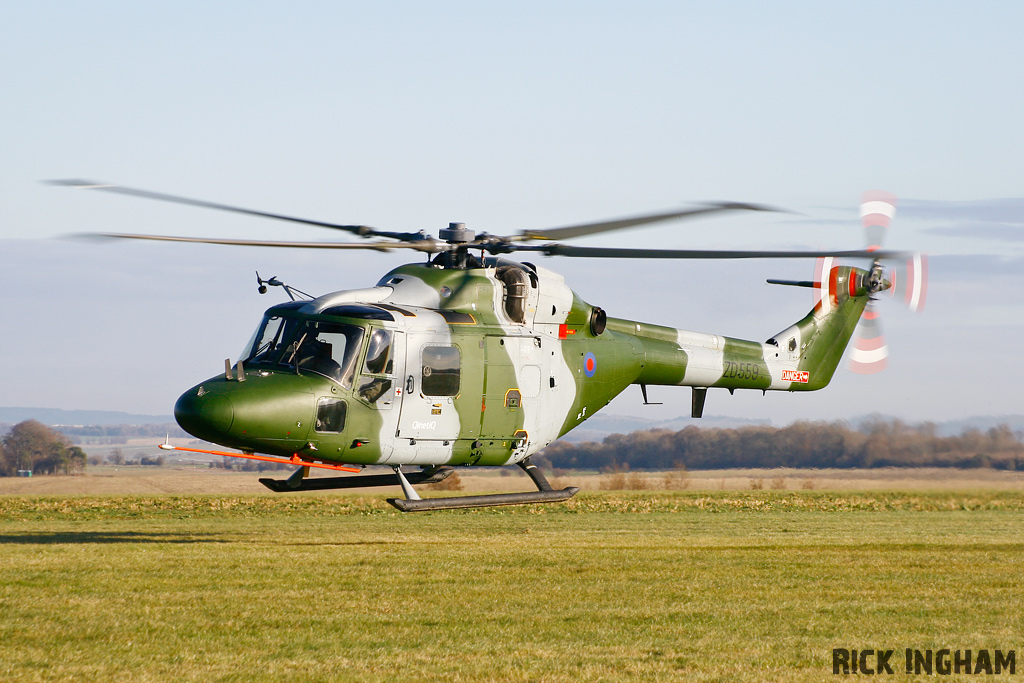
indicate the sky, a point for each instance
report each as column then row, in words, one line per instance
column 508, row 116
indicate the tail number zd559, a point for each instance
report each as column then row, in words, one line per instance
column 734, row 370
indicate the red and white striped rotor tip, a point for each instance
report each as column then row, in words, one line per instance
column 916, row 282
column 823, row 290
column 877, row 208
column 869, row 353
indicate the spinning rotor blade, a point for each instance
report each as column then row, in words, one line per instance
column 614, row 252
column 869, row 353
column 571, row 231
column 877, row 208
column 361, row 230
column 427, row 245
column 910, row 281
column 822, row 270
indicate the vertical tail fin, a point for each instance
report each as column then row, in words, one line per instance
column 817, row 342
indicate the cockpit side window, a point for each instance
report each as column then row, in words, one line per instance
column 372, row 386
column 378, row 353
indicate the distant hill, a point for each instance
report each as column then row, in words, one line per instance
column 57, row 417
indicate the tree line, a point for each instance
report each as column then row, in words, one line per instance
column 875, row 443
column 32, row 446
column 118, row 434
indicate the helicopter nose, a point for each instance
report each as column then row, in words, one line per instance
column 203, row 415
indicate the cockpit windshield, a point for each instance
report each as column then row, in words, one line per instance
column 329, row 349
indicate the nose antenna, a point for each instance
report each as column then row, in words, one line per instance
column 274, row 282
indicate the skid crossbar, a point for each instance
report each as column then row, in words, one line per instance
column 483, row 501
column 544, row 494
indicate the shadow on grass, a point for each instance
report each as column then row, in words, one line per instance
column 102, row 537
column 80, row 537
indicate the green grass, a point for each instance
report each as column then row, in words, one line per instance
column 724, row 586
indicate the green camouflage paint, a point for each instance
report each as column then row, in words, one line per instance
column 532, row 365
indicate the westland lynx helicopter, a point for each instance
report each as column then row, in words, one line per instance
column 469, row 358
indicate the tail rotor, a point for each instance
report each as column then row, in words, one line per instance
column 877, row 209
column 869, row 352
column 910, row 282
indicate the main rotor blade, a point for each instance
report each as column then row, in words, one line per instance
column 614, row 252
column 604, row 226
column 361, row 230
column 428, row 245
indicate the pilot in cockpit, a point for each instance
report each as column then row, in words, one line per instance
column 315, row 355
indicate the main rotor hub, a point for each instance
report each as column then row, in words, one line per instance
column 456, row 233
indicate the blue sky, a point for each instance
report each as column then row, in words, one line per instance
column 507, row 116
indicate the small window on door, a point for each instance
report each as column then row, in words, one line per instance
column 330, row 415
column 442, row 369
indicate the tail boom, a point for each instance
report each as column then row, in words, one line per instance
column 803, row 357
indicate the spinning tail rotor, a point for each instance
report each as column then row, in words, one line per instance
column 910, row 282
column 869, row 351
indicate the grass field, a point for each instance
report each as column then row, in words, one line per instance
column 647, row 585
column 203, row 480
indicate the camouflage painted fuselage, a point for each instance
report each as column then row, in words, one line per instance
column 486, row 366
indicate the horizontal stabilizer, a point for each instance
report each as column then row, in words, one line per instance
column 792, row 283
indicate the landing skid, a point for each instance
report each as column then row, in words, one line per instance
column 544, row 494
column 406, row 505
column 412, row 502
column 298, row 482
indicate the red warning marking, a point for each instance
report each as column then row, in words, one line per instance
column 799, row 376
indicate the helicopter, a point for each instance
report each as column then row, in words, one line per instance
column 471, row 358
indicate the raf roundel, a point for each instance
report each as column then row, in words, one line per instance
column 589, row 364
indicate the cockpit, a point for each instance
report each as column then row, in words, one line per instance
column 291, row 341
column 305, row 345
